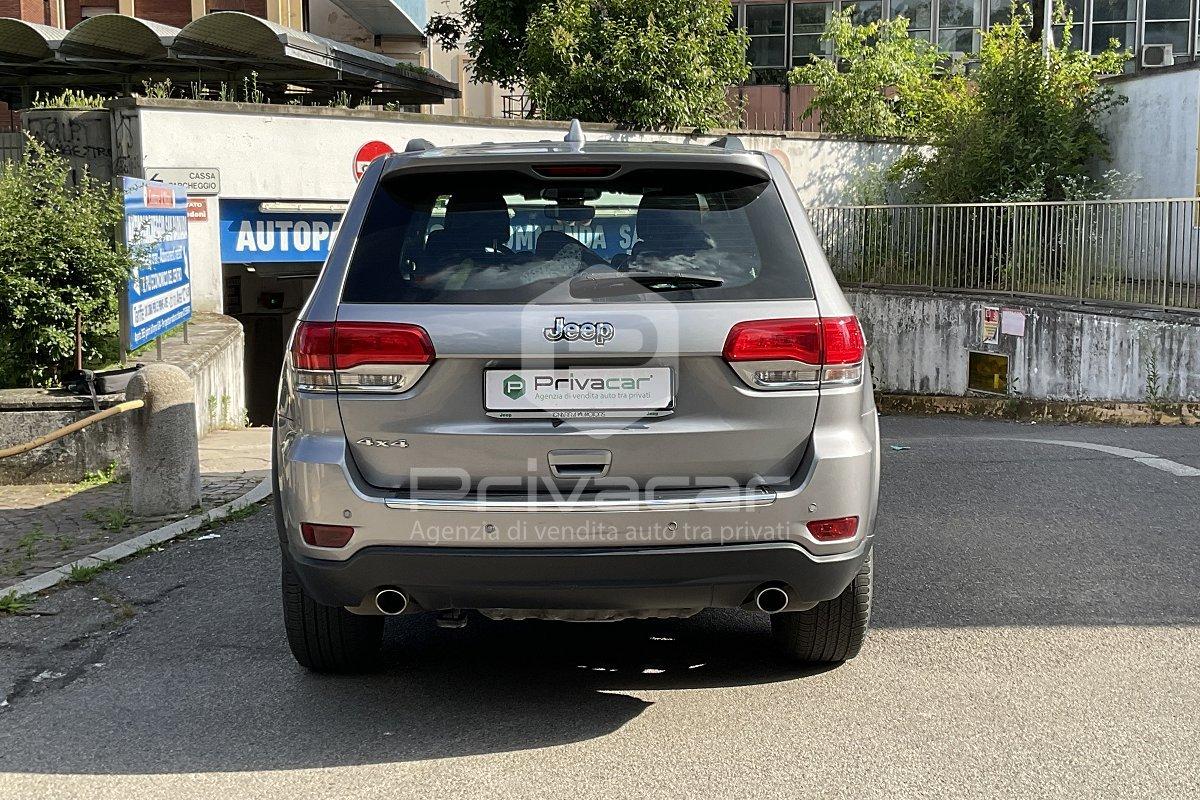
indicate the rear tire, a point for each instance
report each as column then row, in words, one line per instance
column 833, row 630
column 328, row 638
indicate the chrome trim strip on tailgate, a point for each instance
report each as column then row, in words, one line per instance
column 715, row 499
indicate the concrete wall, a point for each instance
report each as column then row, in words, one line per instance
column 919, row 344
column 1154, row 134
column 297, row 153
column 83, row 137
column 26, row 414
column 212, row 358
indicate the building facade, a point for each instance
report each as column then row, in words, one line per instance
column 785, row 35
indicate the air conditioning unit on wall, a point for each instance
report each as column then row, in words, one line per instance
column 1158, row 55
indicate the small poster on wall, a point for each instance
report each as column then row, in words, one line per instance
column 1012, row 322
column 989, row 327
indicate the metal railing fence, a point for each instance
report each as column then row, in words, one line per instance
column 1124, row 252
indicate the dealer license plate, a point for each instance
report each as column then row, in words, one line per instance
column 578, row 393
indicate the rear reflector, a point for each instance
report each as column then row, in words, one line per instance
column 326, row 535
column 833, row 530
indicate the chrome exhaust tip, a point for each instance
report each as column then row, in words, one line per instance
column 391, row 601
column 771, row 600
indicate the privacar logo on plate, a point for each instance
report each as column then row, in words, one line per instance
column 514, row 386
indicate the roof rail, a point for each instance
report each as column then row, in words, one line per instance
column 416, row 145
column 727, row 142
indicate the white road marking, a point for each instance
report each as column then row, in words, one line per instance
column 1146, row 459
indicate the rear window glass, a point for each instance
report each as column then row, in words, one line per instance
column 507, row 237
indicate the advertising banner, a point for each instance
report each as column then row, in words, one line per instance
column 159, row 294
column 250, row 236
column 611, row 231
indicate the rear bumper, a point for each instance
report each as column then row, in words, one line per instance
column 613, row 578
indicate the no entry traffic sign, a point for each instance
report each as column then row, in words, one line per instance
column 368, row 153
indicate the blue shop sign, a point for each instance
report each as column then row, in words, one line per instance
column 250, row 236
column 159, row 293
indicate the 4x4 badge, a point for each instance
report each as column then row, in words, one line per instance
column 369, row 442
column 514, row 386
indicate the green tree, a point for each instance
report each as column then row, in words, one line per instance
column 638, row 63
column 1025, row 127
column 57, row 258
column 494, row 31
column 883, row 83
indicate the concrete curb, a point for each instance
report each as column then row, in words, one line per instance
column 1020, row 409
column 50, row 579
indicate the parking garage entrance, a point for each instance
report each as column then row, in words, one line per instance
column 271, row 253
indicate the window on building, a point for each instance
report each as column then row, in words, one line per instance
column 1076, row 9
column 919, row 14
column 1167, row 23
column 958, row 22
column 808, row 23
column 1113, row 19
column 767, row 26
column 87, row 12
column 867, row 11
column 1000, row 12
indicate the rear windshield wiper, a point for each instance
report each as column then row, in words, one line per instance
column 607, row 284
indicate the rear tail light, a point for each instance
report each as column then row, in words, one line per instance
column 797, row 353
column 833, row 530
column 325, row 535
column 360, row 356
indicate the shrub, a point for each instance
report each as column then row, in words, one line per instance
column 885, row 82
column 1026, row 127
column 1014, row 123
column 58, row 257
column 639, row 63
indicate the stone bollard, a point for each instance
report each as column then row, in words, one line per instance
column 164, row 453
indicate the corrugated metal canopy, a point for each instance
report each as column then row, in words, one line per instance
column 115, row 51
column 22, row 42
column 244, row 34
column 106, row 36
column 388, row 17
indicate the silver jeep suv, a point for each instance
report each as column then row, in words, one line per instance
column 575, row 381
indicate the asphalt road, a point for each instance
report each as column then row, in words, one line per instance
column 1035, row 635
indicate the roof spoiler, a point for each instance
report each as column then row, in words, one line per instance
column 728, row 143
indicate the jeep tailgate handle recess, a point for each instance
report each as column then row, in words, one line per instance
column 579, row 463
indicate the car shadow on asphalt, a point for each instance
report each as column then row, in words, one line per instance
column 195, row 688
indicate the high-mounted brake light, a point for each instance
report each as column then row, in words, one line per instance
column 360, row 356
column 796, row 353
column 576, row 170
